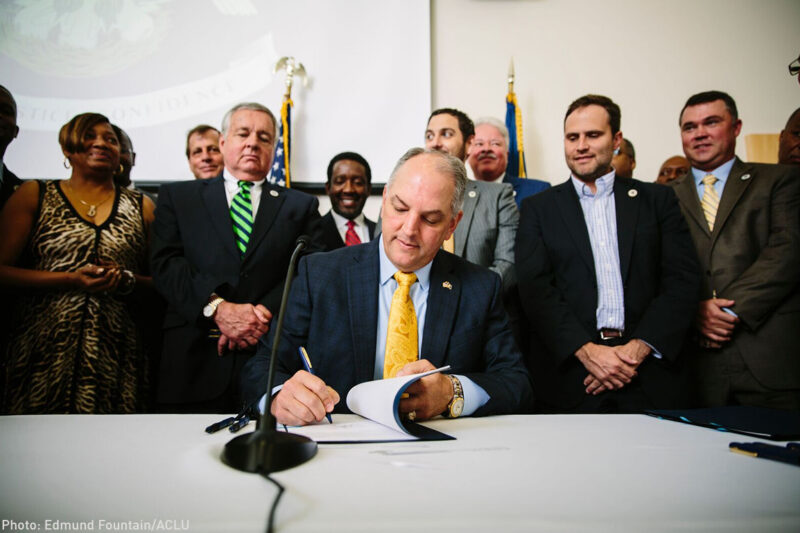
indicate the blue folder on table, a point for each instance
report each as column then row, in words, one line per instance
column 761, row 422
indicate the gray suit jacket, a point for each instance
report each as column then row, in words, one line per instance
column 486, row 234
column 753, row 257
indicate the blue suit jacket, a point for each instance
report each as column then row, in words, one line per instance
column 524, row 187
column 193, row 254
column 333, row 312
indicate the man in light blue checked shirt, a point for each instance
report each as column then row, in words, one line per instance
column 608, row 278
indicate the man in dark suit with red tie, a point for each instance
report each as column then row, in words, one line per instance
column 220, row 251
column 348, row 186
column 745, row 222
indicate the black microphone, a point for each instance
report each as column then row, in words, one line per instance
column 267, row 449
column 267, row 420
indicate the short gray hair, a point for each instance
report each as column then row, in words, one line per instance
column 491, row 121
column 253, row 106
column 446, row 163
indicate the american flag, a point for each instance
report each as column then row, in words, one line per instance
column 281, row 161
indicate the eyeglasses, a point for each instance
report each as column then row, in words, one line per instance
column 794, row 67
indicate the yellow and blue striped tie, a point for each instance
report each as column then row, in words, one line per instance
column 242, row 216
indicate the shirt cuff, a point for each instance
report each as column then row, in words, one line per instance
column 474, row 396
column 655, row 353
column 263, row 401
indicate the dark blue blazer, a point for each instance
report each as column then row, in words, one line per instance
column 558, row 287
column 333, row 312
column 193, row 254
column 524, row 187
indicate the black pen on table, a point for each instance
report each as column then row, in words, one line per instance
column 307, row 363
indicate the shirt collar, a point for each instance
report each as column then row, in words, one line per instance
column 231, row 179
column 387, row 269
column 604, row 184
column 341, row 221
column 721, row 172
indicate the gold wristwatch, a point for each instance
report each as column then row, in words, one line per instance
column 456, row 405
column 211, row 307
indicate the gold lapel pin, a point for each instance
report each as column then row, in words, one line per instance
column 447, row 285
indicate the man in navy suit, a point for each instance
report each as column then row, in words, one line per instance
column 222, row 288
column 348, row 186
column 488, row 157
column 608, row 278
column 340, row 308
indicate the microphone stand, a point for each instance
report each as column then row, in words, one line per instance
column 266, row 449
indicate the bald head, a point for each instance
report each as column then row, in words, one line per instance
column 673, row 168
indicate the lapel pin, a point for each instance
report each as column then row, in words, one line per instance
column 472, row 194
column 273, row 193
column 447, row 285
column 633, row 193
column 745, row 177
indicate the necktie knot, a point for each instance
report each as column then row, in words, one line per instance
column 709, row 179
column 404, row 279
column 351, row 225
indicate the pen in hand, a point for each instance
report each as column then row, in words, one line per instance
column 307, row 363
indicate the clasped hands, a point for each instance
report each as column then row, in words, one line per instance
column 94, row 278
column 306, row 399
column 611, row 367
column 713, row 323
column 240, row 325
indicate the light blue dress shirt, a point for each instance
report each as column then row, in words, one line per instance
column 474, row 395
column 600, row 215
column 721, row 173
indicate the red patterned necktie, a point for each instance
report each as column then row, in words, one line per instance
column 351, row 237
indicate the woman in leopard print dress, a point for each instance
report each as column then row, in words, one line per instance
column 74, row 250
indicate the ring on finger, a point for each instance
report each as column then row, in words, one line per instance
column 412, row 415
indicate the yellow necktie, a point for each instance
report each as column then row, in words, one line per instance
column 710, row 201
column 450, row 244
column 401, row 335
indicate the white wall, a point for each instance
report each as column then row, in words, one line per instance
column 649, row 57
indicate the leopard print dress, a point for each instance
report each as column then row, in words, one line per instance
column 71, row 351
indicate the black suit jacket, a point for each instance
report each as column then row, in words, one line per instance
column 331, row 236
column 10, row 184
column 194, row 255
column 333, row 312
column 558, row 287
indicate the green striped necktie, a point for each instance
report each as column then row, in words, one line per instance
column 242, row 216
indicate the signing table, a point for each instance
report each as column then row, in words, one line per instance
column 506, row 474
